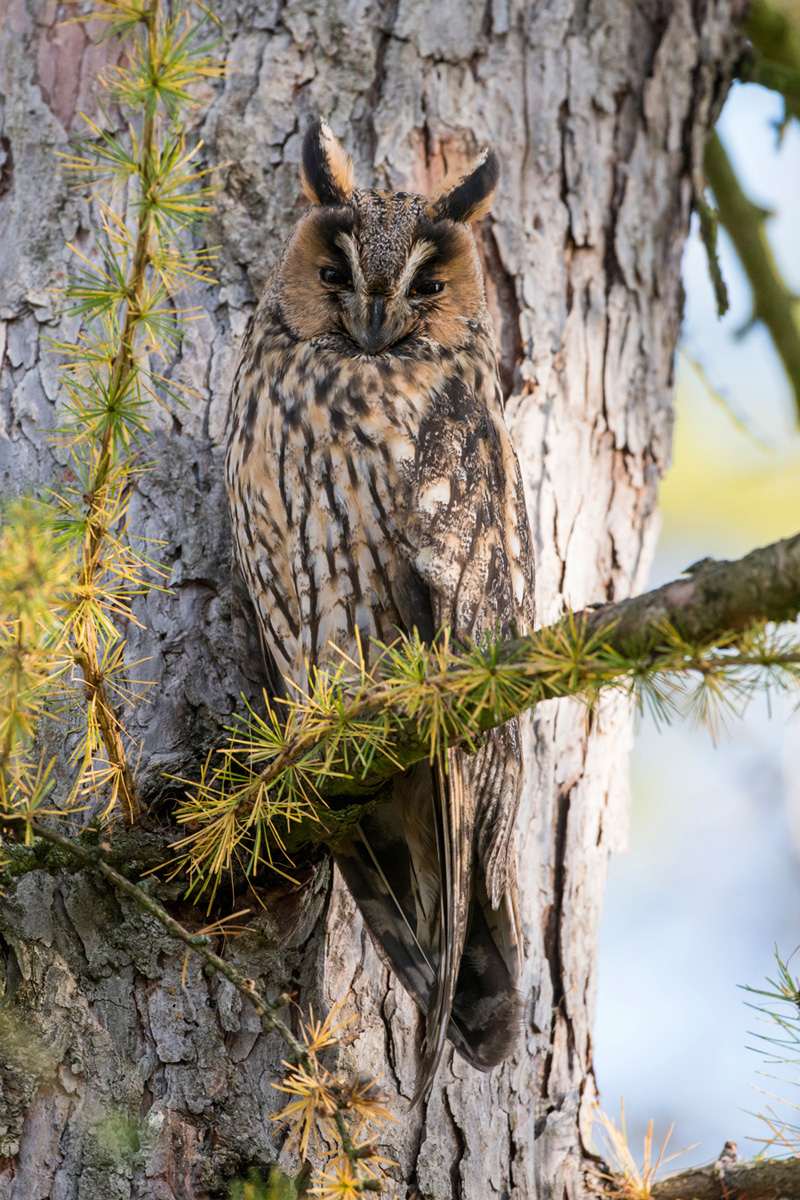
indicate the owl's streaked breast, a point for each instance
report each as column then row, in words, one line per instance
column 320, row 447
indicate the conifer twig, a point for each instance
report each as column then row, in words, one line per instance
column 86, row 655
column 123, row 292
column 714, row 599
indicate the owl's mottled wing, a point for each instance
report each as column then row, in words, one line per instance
column 420, row 918
column 468, row 526
column 466, row 521
column 439, row 891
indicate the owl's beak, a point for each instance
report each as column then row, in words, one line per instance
column 375, row 336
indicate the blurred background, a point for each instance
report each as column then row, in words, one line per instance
column 712, row 880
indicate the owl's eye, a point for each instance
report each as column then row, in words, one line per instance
column 427, row 287
column 336, row 277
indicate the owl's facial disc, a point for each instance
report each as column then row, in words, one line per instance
column 379, row 273
column 381, row 270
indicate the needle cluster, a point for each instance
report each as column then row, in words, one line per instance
column 35, row 573
column 778, row 1008
column 337, row 1113
column 287, row 772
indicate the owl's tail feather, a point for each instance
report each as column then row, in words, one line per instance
column 452, row 813
column 447, row 945
column 487, row 1010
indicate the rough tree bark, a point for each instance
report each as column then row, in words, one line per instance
column 118, row 1081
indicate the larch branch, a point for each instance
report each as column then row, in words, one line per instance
column 715, row 597
column 713, row 600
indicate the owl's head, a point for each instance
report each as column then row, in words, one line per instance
column 376, row 270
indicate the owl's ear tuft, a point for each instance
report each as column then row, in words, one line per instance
column 468, row 196
column 326, row 171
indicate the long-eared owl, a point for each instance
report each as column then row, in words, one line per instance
column 374, row 490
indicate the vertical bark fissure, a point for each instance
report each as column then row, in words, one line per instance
column 456, row 1184
column 418, row 1136
column 503, row 286
column 374, row 93
column 552, row 939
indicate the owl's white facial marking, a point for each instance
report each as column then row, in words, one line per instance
column 421, row 254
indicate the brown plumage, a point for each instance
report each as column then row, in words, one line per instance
column 374, row 490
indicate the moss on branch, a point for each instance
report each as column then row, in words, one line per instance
column 777, row 77
column 775, row 61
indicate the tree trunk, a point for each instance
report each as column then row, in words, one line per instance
column 119, row 1081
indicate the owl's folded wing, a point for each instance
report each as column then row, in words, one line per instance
column 469, row 568
column 467, row 526
column 455, row 954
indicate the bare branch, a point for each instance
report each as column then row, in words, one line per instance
column 764, row 1179
column 773, row 302
column 714, row 598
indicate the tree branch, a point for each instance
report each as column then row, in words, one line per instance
column 773, row 302
column 716, row 596
column 715, row 599
column 764, row 1179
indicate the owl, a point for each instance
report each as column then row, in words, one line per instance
column 374, row 491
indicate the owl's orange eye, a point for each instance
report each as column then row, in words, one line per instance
column 336, row 277
column 427, row 287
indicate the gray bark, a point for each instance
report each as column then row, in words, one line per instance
column 118, row 1081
